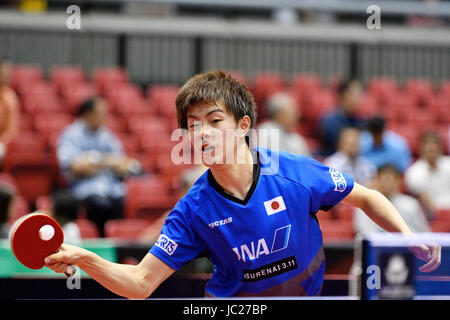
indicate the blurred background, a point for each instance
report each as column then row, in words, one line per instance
column 374, row 103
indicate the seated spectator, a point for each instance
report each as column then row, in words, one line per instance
column 284, row 116
column 9, row 109
column 383, row 146
column 388, row 182
column 65, row 211
column 348, row 160
column 429, row 176
column 92, row 159
column 345, row 115
column 6, row 200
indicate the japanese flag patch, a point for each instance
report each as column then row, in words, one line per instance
column 275, row 205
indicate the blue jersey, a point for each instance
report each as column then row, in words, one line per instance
column 269, row 243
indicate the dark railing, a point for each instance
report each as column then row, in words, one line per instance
column 169, row 50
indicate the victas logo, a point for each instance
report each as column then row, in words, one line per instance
column 166, row 244
column 339, row 181
column 256, row 249
column 217, row 223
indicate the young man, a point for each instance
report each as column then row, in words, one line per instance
column 254, row 218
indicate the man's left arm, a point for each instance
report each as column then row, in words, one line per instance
column 379, row 209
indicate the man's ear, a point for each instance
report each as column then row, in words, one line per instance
column 245, row 124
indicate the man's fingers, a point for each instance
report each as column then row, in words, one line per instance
column 59, row 267
column 435, row 260
column 55, row 258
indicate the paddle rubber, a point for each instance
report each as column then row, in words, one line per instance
column 26, row 244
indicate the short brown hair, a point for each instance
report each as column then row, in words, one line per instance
column 215, row 86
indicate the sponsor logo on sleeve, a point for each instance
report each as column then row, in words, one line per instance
column 166, row 244
column 340, row 184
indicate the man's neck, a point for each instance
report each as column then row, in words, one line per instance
column 235, row 179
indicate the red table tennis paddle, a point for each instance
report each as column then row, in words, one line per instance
column 34, row 237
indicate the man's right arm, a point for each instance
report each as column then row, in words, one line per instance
column 135, row 282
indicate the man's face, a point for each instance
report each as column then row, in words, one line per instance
column 349, row 142
column 351, row 98
column 97, row 117
column 388, row 182
column 430, row 149
column 214, row 132
column 288, row 116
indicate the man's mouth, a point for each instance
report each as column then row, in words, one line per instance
column 207, row 148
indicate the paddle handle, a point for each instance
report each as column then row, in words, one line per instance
column 70, row 271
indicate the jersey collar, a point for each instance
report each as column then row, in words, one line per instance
column 256, row 173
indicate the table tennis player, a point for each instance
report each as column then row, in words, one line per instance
column 254, row 217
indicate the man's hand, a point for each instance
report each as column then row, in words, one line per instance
column 66, row 255
column 431, row 254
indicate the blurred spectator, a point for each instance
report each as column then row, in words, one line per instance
column 348, row 160
column 9, row 108
column 91, row 158
column 345, row 115
column 383, row 146
column 429, row 176
column 151, row 233
column 6, row 200
column 388, row 182
column 65, row 211
column 284, row 116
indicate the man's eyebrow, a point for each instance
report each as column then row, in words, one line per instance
column 215, row 110
column 212, row 111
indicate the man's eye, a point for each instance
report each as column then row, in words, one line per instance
column 216, row 120
column 194, row 125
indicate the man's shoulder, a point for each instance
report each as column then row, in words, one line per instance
column 281, row 164
column 196, row 196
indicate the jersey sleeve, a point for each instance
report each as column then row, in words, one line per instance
column 178, row 243
column 326, row 185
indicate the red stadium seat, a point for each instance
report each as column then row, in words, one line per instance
column 336, row 230
column 155, row 144
column 440, row 226
column 66, row 74
column 105, row 76
column 146, row 125
column 239, row 76
column 48, row 124
column 442, row 215
column 116, row 124
column 147, row 196
column 34, row 105
column 125, row 229
column 32, row 172
column 75, row 93
column 19, row 208
column 44, row 203
column 25, row 73
column 129, row 142
column 88, row 229
column 264, row 85
column 133, row 106
column 162, row 98
column 411, row 133
column 25, row 122
column 304, row 83
column 27, row 141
